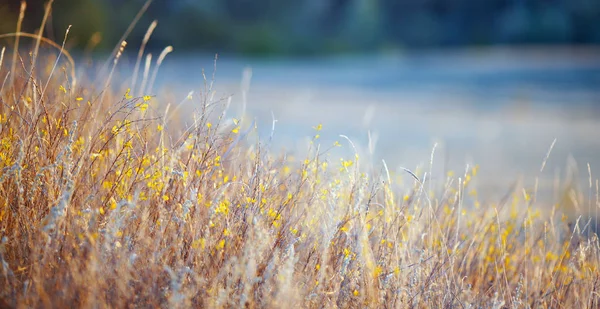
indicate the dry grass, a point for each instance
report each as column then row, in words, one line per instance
column 105, row 202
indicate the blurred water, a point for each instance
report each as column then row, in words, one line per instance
column 495, row 74
column 498, row 108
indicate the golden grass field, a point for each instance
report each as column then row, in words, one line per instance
column 107, row 201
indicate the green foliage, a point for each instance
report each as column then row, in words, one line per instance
column 322, row 26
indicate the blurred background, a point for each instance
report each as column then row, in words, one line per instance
column 316, row 27
column 490, row 82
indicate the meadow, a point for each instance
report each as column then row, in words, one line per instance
column 106, row 200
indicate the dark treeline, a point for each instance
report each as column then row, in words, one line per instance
column 319, row 26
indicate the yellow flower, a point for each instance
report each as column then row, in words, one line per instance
column 106, row 184
column 346, row 164
column 199, row 243
column 377, row 271
column 115, row 130
column 127, row 95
